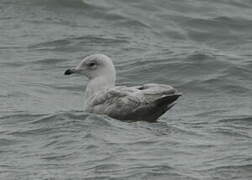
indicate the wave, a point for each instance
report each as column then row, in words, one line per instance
column 239, row 120
column 60, row 3
column 73, row 44
column 229, row 171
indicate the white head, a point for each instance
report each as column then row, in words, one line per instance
column 94, row 66
column 99, row 69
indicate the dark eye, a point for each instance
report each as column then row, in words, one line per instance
column 92, row 64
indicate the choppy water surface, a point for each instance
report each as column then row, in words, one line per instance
column 203, row 48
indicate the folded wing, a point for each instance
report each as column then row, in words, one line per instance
column 146, row 102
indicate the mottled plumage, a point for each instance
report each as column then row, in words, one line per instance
column 146, row 102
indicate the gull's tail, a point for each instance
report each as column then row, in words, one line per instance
column 166, row 102
column 151, row 111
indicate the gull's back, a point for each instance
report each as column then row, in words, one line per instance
column 147, row 102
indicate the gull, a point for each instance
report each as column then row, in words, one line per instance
column 145, row 102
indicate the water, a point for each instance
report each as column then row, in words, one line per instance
column 203, row 48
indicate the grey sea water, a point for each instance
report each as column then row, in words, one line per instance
column 201, row 47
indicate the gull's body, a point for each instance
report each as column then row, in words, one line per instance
column 146, row 102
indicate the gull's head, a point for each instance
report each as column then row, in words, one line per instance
column 94, row 66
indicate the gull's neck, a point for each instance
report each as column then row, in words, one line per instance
column 99, row 84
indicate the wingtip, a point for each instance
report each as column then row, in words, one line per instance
column 179, row 94
column 168, row 99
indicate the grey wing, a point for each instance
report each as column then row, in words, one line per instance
column 152, row 92
column 158, row 98
column 152, row 111
column 146, row 102
column 116, row 102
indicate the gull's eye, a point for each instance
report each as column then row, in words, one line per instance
column 92, row 64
